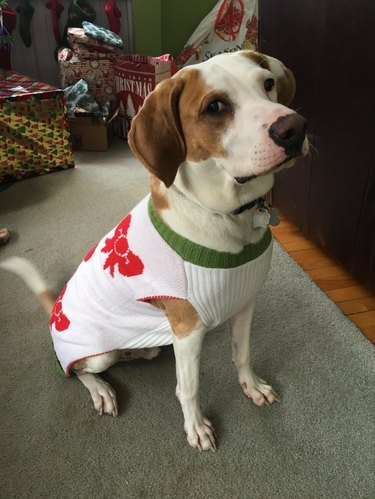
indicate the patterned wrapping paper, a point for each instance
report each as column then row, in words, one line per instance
column 86, row 52
column 77, row 35
column 98, row 73
column 34, row 134
column 88, row 48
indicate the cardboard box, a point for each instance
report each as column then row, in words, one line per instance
column 34, row 135
column 89, row 133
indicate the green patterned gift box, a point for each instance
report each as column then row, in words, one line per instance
column 34, row 133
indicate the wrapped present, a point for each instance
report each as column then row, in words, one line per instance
column 136, row 76
column 89, row 48
column 87, row 52
column 98, row 73
column 34, row 134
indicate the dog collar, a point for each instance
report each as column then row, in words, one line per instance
column 203, row 256
column 248, row 206
column 263, row 216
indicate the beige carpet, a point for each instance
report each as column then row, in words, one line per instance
column 318, row 443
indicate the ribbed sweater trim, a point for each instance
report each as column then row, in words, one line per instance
column 206, row 257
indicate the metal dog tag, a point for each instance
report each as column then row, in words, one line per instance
column 261, row 218
column 274, row 217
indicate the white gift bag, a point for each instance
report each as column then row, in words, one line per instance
column 231, row 25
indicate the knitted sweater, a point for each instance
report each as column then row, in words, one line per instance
column 105, row 305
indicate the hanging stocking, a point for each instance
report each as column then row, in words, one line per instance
column 56, row 10
column 26, row 12
column 79, row 11
column 113, row 14
column 8, row 19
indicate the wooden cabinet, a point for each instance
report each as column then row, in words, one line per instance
column 330, row 196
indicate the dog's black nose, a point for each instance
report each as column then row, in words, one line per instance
column 289, row 132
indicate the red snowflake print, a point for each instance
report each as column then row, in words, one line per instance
column 127, row 262
column 58, row 317
column 90, row 253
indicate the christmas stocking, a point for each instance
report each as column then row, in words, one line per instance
column 8, row 20
column 26, row 12
column 79, row 11
column 113, row 14
column 56, row 10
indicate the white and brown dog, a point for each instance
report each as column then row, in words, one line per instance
column 191, row 255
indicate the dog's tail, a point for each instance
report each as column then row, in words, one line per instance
column 28, row 272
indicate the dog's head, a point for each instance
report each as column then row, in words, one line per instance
column 220, row 129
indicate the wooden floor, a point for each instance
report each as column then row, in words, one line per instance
column 355, row 300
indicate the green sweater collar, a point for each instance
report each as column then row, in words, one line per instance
column 206, row 257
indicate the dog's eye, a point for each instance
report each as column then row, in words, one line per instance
column 269, row 84
column 215, row 107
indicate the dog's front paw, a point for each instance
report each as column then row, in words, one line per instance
column 104, row 398
column 202, row 436
column 259, row 391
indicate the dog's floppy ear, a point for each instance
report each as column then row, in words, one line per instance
column 156, row 136
column 285, row 82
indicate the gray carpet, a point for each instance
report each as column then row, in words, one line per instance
column 318, row 443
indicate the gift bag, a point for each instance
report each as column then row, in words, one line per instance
column 135, row 77
column 231, row 25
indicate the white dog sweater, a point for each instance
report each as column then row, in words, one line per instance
column 105, row 305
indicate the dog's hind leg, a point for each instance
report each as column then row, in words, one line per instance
column 258, row 390
column 102, row 394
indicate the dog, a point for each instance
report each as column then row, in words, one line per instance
column 196, row 251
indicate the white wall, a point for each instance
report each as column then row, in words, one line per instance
column 38, row 60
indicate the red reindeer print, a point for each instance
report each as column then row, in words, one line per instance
column 128, row 264
column 58, row 317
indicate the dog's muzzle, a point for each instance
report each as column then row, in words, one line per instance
column 289, row 132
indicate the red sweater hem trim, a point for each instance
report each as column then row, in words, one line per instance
column 158, row 297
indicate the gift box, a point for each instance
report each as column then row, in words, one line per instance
column 88, row 48
column 98, row 73
column 34, row 134
column 135, row 77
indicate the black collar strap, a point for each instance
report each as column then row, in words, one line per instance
column 241, row 209
column 248, row 206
